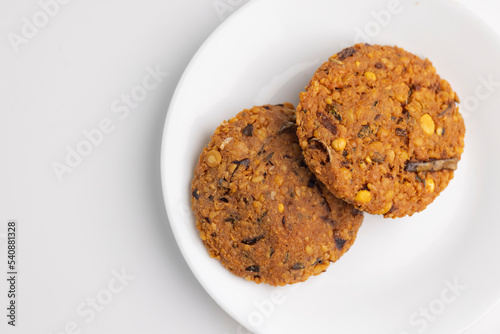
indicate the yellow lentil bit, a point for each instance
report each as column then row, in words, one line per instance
column 439, row 131
column 368, row 160
column 319, row 268
column 315, row 86
column 346, row 174
column 382, row 133
column 370, row 75
column 225, row 142
column 257, row 179
column 232, row 168
column 339, row 144
column 427, row 124
column 309, row 250
column 363, row 196
column 385, row 209
column 281, row 207
column 279, row 180
column 213, row 214
column 403, row 155
column 261, row 133
column 389, row 195
column 213, row 158
column 390, row 156
column 387, row 63
column 430, row 185
column 405, row 60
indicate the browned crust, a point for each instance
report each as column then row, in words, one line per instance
column 260, row 210
column 375, row 98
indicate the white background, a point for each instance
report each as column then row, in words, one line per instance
column 105, row 217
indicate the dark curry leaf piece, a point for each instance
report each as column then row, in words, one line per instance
column 365, row 131
column 319, row 260
column 253, row 241
column 253, row 269
column 243, row 162
column 262, row 217
column 327, row 123
column 401, row 132
column 238, row 163
column 269, row 156
column 312, row 182
column 347, row 52
column 355, row 212
column 317, row 144
column 340, row 243
column 223, row 183
column 378, row 157
column 332, row 109
column 419, row 179
column 196, row 194
column 393, row 208
column 450, row 106
column 288, row 127
column 431, row 166
column 248, row 130
column 297, row 266
column 287, row 257
column 230, row 219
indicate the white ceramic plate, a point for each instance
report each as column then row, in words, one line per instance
column 435, row 272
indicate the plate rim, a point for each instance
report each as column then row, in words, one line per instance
column 242, row 11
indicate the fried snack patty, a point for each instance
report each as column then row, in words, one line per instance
column 259, row 209
column 381, row 129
